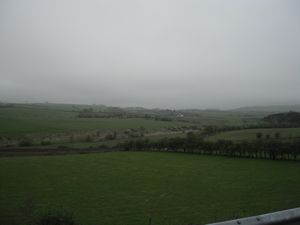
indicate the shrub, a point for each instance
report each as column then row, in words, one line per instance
column 45, row 142
column 111, row 136
column 103, row 146
column 88, row 138
column 55, row 217
column 98, row 133
column 62, row 147
column 259, row 135
column 25, row 143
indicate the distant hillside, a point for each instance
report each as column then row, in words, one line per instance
column 270, row 109
column 292, row 118
column 53, row 106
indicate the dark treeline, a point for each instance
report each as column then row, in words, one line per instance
column 89, row 113
column 210, row 130
column 261, row 148
column 288, row 118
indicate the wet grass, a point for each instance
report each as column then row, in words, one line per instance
column 129, row 187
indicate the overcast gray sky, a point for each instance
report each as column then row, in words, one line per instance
column 155, row 53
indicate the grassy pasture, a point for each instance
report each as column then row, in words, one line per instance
column 250, row 134
column 43, row 119
column 17, row 121
column 223, row 118
column 128, row 187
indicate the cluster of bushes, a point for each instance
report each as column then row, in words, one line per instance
column 111, row 136
column 26, row 143
column 51, row 216
column 55, row 217
column 210, row 130
column 288, row 118
column 261, row 148
column 120, row 113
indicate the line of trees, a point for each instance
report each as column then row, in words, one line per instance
column 211, row 130
column 261, row 148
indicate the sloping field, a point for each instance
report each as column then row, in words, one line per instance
column 20, row 121
column 250, row 134
column 128, row 187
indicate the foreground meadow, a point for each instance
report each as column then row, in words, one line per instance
column 129, row 187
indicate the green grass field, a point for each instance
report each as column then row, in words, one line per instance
column 128, row 187
column 44, row 119
column 250, row 134
column 16, row 122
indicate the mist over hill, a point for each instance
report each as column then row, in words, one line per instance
column 102, row 107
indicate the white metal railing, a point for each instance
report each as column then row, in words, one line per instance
column 290, row 216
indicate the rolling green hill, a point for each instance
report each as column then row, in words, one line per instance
column 18, row 121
